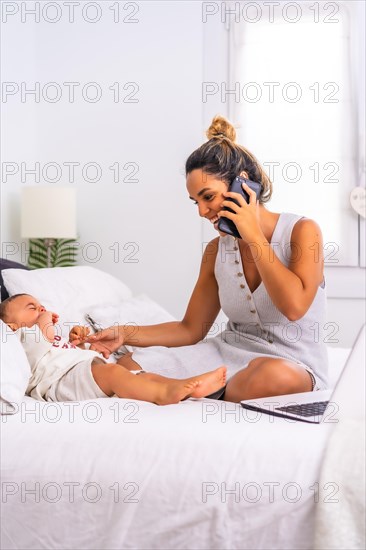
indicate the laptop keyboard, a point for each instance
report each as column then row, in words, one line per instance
column 306, row 409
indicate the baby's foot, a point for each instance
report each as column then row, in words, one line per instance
column 209, row 382
column 198, row 386
column 177, row 390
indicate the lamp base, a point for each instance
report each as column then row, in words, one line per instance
column 49, row 244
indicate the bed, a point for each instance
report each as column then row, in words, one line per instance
column 122, row 474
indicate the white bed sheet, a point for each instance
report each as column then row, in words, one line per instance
column 165, row 458
column 115, row 473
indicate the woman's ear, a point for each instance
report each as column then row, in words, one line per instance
column 244, row 174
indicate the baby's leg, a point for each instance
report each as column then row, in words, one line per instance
column 128, row 363
column 114, row 379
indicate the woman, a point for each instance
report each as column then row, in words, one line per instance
column 269, row 283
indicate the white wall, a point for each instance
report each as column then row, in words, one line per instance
column 168, row 53
column 162, row 55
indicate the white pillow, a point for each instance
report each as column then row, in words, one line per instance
column 140, row 311
column 15, row 371
column 68, row 291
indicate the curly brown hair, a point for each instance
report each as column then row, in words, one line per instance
column 221, row 156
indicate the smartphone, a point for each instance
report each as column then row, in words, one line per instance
column 227, row 226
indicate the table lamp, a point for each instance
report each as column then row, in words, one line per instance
column 48, row 213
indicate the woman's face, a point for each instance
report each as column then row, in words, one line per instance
column 206, row 191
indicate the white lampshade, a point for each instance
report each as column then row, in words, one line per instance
column 48, row 212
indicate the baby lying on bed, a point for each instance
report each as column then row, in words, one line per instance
column 64, row 372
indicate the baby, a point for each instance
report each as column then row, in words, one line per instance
column 64, row 372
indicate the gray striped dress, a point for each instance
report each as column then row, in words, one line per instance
column 256, row 328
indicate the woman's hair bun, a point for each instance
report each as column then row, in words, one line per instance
column 220, row 127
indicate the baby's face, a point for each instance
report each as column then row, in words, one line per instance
column 24, row 311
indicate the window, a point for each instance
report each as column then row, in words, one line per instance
column 293, row 96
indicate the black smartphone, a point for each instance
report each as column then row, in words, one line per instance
column 227, row 226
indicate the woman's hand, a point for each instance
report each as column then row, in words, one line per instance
column 106, row 341
column 245, row 216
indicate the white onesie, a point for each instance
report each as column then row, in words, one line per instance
column 49, row 361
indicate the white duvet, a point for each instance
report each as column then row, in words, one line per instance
column 119, row 474
column 124, row 474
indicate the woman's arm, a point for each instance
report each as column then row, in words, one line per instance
column 201, row 313
column 292, row 289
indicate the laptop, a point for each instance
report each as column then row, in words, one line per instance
column 319, row 406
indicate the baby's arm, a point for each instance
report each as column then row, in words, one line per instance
column 46, row 322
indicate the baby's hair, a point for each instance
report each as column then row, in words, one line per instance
column 5, row 303
column 221, row 156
